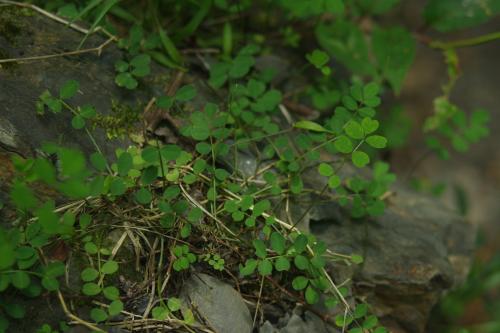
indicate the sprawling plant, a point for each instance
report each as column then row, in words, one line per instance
column 192, row 202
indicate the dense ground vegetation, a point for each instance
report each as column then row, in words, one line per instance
column 193, row 204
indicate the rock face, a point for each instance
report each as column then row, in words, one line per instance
column 218, row 303
column 21, row 84
column 413, row 253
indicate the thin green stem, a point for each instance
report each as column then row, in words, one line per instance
column 91, row 137
column 474, row 41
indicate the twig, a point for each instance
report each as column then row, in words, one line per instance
column 75, row 318
column 97, row 49
column 258, row 301
column 57, row 18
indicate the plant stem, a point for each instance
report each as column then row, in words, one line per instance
column 466, row 42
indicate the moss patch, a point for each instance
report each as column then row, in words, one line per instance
column 123, row 119
column 11, row 23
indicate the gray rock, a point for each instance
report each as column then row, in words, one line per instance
column 310, row 324
column 267, row 327
column 413, row 253
column 21, row 84
column 218, row 304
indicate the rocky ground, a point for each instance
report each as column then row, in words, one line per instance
column 413, row 253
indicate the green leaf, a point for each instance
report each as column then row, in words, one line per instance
column 240, row 66
column 115, row 307
column 78, row 122
column 50, row 283
column 249, row 268
column 343, row 144
column 25, row 252
column 91, row 248
column 195, row 215
column 318, row 58
column 98, row 315
column 255, row 88
column 126, row 80
column 88, row 112
column 342, row 320
column 169, row 46
column 335, row 6
column 376, row 7
column 149, row 175
column 91, row 289
column 73, row 163
column 282, row 264
column 98, row 161
column 221, row 174
column 265, row 267
column 394, row 49
column 278, row 242
column 15, row 310
column 69, row 89
column 369, row 125
column 20, row 279
column 174, row 304
column 325, row 169
column 47, row 218
column 117, row 187
column 354, row 130
column 370, row 322
column 109, row 267
column 185, row 93
column 268, row 102
column 121, row 66
column 448, row 15
column 112, row 293
column 4, row 324
column 160, row 312
column 377, row 141
column 260, row 248
column 200, row 133
column 140, row 64
column 101, row 12
column 300, row 243
column 360, row 311
column 357, row 259
column 170, row 152
column 312, row 296
column 22, row 196
column 165, row 102
column 345, row 42
column 360, row 159
column 261, row 206
column 334, row 181
column 143, row 196
column 310, row 126
column 203, row 148
column 124, row 163
column 300, row 283
column 89, row 274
